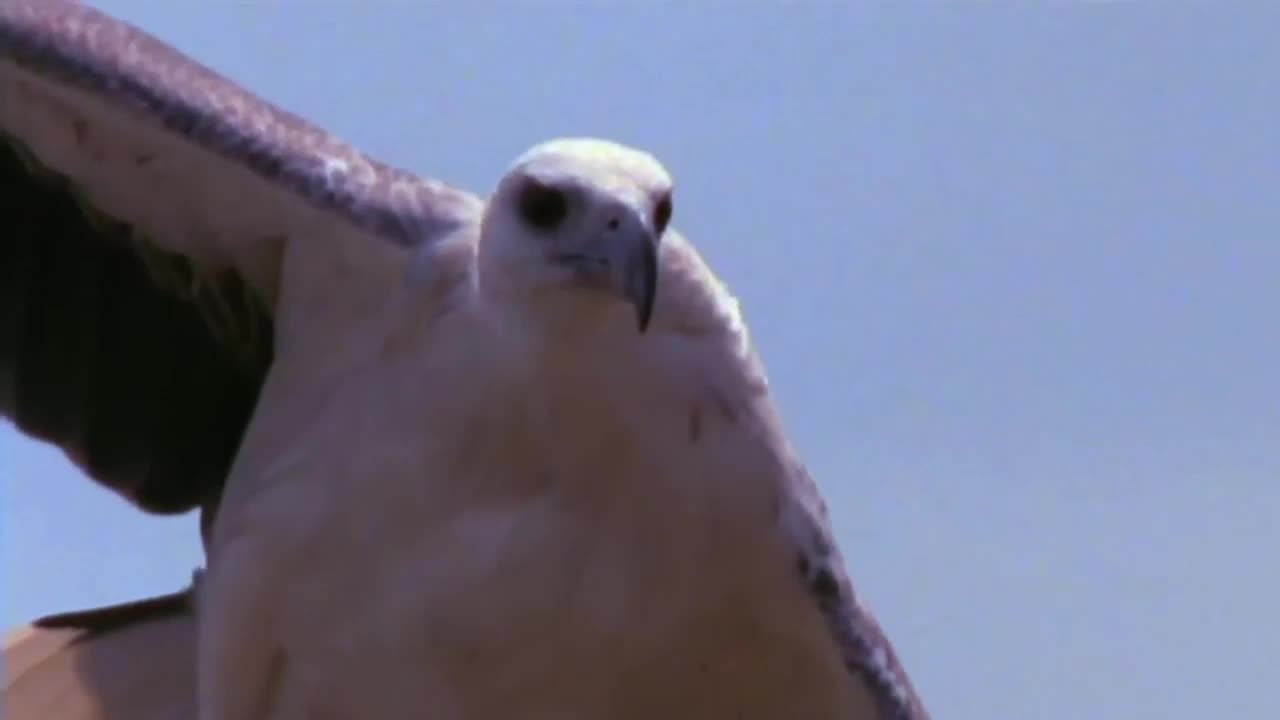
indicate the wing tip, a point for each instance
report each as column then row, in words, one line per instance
column 89, row 50
column 105, row 619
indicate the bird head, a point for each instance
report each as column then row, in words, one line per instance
column 579, row 220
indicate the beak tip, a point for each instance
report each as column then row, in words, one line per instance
column 642, row 319
column 645, row 290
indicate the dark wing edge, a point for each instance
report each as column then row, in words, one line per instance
column 109, row 618
column 85, row 49
column 128, row 376
column 865, row 649
column 95, row 621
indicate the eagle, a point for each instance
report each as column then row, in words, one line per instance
column 482, row 457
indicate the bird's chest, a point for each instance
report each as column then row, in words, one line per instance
column 540, row 523
column 537, row 539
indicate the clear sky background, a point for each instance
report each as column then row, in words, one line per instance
column 1015, row 273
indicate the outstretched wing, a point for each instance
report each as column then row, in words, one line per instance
column 866, row 651
column 147, row 202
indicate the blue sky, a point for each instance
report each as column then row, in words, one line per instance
column 1014, row 272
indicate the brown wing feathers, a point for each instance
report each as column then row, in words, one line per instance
column 123, row 373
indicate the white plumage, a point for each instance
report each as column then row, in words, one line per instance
column 519, row 461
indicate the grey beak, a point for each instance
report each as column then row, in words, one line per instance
column 624, row 260
column 639, row 281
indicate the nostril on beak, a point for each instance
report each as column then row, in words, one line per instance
column 614, row 223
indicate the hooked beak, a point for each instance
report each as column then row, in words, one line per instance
column 638, row 278
column 625, row 261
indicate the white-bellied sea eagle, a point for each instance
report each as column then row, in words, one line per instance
column 457, row 457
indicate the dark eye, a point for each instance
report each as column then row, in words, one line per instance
column 662, row 214
column 542, row 206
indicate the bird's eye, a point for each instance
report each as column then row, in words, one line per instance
column 543, row 206
column 662, row 214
